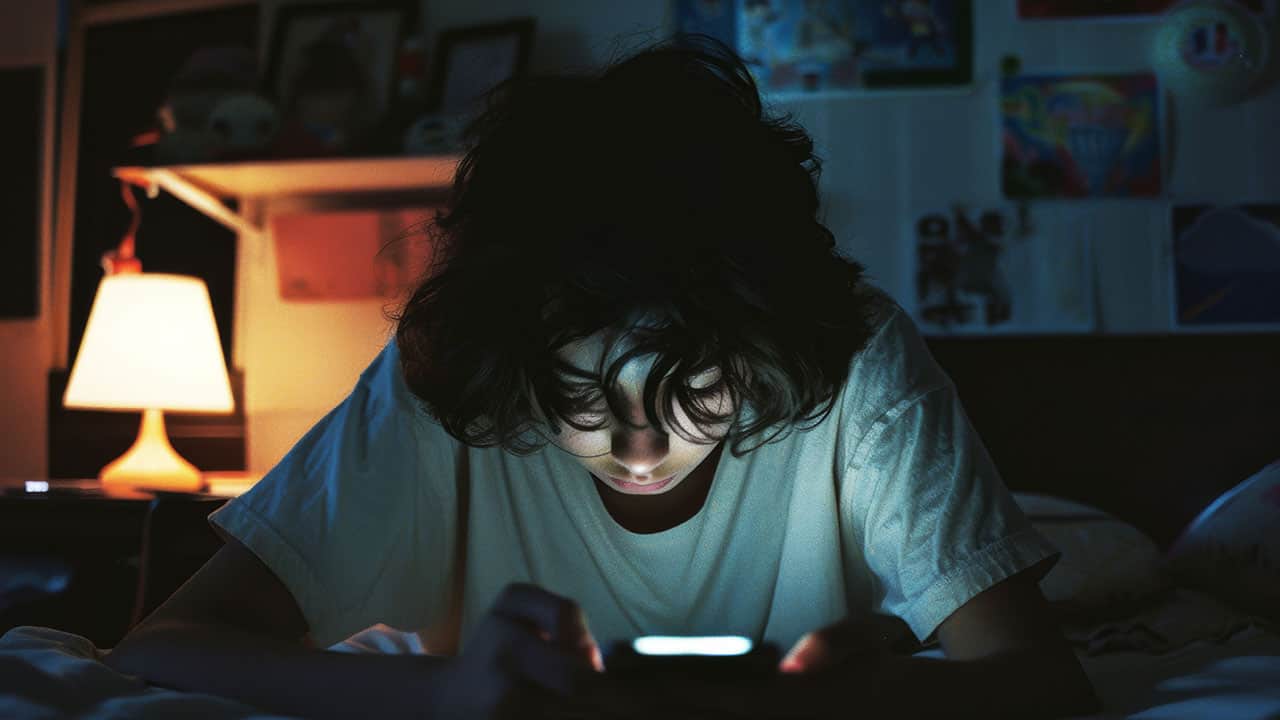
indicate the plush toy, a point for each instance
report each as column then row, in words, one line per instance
column 245, row 125
column 208, row 76
column 433, row 134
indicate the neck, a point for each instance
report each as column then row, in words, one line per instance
column 646, row 514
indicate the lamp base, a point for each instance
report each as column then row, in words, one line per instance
column 152, row 463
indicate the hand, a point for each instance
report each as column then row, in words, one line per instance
column 861, row 640
column 530, row 643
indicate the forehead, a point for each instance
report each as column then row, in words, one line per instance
column 588, row 355
column 585, row 354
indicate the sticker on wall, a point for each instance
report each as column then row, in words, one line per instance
column 805, row 47
column 1211, row 52
column 1226, row 267
column 350, row 255
column 1073, row 136
column 993, row 271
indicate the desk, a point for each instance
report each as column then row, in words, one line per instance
column 126, row 551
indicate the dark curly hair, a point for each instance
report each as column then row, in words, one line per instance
column 660, row 189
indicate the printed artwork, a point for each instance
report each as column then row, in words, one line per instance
column 1226, row 266
column 990, row 271
column 820, row 46
column 1081, row 9
column 1080, row 136
column 349, row 255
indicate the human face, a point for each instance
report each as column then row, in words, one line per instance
column 640, row 460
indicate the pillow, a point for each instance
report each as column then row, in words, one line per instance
column 1231, row 550
column 1108, row 567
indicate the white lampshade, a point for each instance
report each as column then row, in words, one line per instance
column 151, row 343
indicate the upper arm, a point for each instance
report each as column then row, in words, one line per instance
column 1019, row 655
column 1010, row 616
column 234, row 588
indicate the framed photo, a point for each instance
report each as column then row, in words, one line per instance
column 794, row 47
column 470, row 61
column 331, row 70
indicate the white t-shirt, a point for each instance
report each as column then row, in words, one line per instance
column 891, row 504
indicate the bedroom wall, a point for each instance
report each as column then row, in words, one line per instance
column 28, row 37
column 888, row 156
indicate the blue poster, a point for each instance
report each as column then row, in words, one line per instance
column 1226, row 266
column 815, row 46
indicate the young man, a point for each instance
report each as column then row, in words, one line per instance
column 638, row 392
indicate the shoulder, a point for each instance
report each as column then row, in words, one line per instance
column 383, row 408
column 895, row 368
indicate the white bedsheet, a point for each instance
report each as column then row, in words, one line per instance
column 47, row 673
column 1236, row 680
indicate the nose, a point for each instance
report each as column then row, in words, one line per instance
column 640, row 450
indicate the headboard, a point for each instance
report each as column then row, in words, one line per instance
column 1149, row 428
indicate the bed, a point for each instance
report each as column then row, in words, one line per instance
column 1146, row 458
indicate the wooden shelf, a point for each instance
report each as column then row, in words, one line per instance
column 309, row 177
column 204, row 187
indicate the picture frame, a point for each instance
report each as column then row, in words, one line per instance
column 471, row 60
column 956, row 18
column 331, row 70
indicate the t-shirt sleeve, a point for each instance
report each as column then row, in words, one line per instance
column 935, row 523
column 357, row 519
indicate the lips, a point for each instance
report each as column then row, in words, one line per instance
column 641, row 488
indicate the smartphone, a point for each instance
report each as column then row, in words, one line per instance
column 716, row 658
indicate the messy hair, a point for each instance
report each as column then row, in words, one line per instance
column 658, row 188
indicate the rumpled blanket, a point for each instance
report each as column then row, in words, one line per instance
column 1172, row 621
column 46, row 673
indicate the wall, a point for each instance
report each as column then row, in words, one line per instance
column 28, row 37
column 890, row 155
column 887, row 156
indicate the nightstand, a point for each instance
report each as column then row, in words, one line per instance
column 98, row 560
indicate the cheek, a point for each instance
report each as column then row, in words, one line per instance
column 581, row 443
column 722, row 405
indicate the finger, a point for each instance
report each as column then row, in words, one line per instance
column 806, row 655
column 553, row 617
column 541, row 663
column 841, row 641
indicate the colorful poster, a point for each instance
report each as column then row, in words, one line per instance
column 992, row 271
column 1092, row 9
column 1226, row 266
column 1080, row 136
column 822, row 46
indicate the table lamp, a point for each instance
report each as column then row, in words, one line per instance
column 151, row 345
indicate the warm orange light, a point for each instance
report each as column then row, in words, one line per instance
column 152, row 345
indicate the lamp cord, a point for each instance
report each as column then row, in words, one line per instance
column 122, row 259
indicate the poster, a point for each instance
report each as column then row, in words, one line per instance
column 990, row 270
column 1071, row 136
column 350, row 255
column 822, row 46
column 1106, row 9
column 1226, row 267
